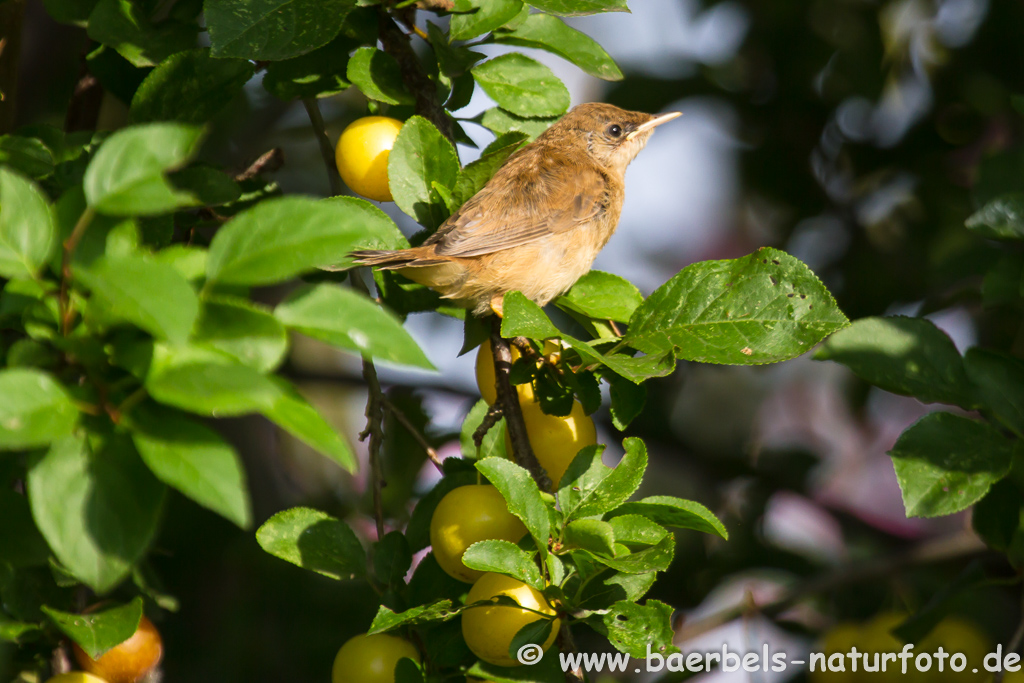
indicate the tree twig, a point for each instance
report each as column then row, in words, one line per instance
column 508, row 399
column 268, row 162
column 490, row 419
column 404, row 420
column 70, row 244
column 84, row 108
column 947, row 548
column 567, row 644
column 428, row 105
column 326, row 150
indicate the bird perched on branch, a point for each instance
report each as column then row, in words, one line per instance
column 539, row 222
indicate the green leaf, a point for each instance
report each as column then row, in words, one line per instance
column 639, row 629
column 1001, row 218
column 209, row 186
column 603, row 593
column 21, row 544
column 421, row 156
column 272, row 30
column 124, row 26
column 350, row 320
column 126, row 177
column 522, row 85
column 207, row 382
column 637, row 529
column 488, row 15
column 655, row 558
column 144, row 292
column 189, row 87
column 378, row 76
column 392, row 558
column 315, row 541
column 29, row 156
column 545, row 32
column 386, row 620
column 193, row 459
column 592, row 535
column 506, row 558
column 589, row 487
column 474, row 176
column 319, row 73
column 998, row 380
column 98, row 511
column 380, row 232
column 532, row 633
column 908, row 356
column 99, row 631
column 576, row 8
column 242, row 330
column 28, row 233
column 499, row 122
column 996, row 518
column 190, row 262
column 627, row 400
column 34, row 409
column 603, row 296
column 946, row 463
column 280, row 238
column 70, row 11
column 13, row 631
column 762, row 308
column 674, row 512
column 524, row 500
column 525, row 318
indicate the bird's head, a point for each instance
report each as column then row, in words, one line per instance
column 612, row 136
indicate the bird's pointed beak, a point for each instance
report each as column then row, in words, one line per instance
column 653, row 123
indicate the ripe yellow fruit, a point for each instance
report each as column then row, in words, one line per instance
column 957, row 635
column 464, row 516
column 128, row 662
column 362, row 155
column 75, row 677
column 371, row 659
column 485, row 375
column 556, row 439
column 489, row 629
column 838, row 640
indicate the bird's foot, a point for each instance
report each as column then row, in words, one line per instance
column 497, row 303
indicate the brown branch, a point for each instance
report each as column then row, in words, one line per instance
column 268, row 162
column 490, row 419
column 937, row 550
column 70, row 244
column 12, row 16
column 326, row 149
column 403, row 420
column 508, row 399
column 397, row 44
column 567, row 644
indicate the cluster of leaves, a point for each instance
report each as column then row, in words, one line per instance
column 949, row 461
column 127, row 309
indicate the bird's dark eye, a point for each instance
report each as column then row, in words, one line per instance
column 615, row 130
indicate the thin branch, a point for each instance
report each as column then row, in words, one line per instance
column 326, row 149
column 490, row 419
column 508, row 399
column 397, row 44
column 268, row 162
column 567, row 644
column 70, row 244
column 938, row 550
column 403, row 420
column 84, row 108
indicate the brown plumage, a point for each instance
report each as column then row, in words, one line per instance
column 538, row 224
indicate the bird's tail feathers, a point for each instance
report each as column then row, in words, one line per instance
column 390, row 260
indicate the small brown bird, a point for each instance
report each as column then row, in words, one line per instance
column 538, row 224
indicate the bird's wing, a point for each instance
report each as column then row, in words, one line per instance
column 521, row 205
